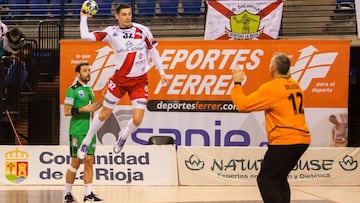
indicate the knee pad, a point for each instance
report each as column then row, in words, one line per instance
column 110, row 100
column 72, row 169
column 139, row 103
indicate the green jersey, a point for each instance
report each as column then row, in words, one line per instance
column 78, row 96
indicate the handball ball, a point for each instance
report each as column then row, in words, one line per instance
column 90, row 7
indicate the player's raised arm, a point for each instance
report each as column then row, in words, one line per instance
column 84, row 29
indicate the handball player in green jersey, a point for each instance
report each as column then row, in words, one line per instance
column 80, row 105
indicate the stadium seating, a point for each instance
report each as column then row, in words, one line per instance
column 168, row 7
column 146, row 7
column 38, row 7
column 74, row 7
column 17, row 8
column 104, row 8
column 191, row 7
column 55, row 8
column 345, row 6
column 130, row 2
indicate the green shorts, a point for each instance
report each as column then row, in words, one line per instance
column 75, row 142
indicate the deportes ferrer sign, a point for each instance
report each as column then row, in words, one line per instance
column 196, row 109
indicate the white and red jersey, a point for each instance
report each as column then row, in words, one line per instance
column 131, row 46
column 3, row 30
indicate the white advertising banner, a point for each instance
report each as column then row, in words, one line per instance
column 241, row 20
column 357, row 10
column 145, row 165
column 204, row 129
column 240, row 166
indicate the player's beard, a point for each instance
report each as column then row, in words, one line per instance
column 85, row 79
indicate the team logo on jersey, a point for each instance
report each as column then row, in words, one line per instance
column 129, row 44
column 81, row 94
column 153, row 42
column 16, row 166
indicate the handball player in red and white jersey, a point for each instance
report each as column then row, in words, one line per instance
column 133, row 44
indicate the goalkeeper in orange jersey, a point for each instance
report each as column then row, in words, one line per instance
column 288, row 136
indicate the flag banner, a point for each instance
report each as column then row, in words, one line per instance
column 243, row 20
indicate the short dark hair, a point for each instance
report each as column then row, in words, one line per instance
column 332, row 116
column 15, row 32
column 282, row 63
column 78, row 66
column 121, row 6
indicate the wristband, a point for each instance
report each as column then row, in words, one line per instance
column 74, row 111
column 237, row 83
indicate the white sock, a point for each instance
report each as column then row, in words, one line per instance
column 88, row 189
column 95, row 125
column 68, row 187
column 130, row 128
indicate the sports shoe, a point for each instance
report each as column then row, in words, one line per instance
column 82, row 151
column 69, row 198
column 119, row 145
column 92, row 198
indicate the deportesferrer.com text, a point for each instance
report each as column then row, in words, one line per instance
column 104, row 174
column 191, row 106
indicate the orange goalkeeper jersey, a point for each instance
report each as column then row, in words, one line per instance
column 283, row 102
